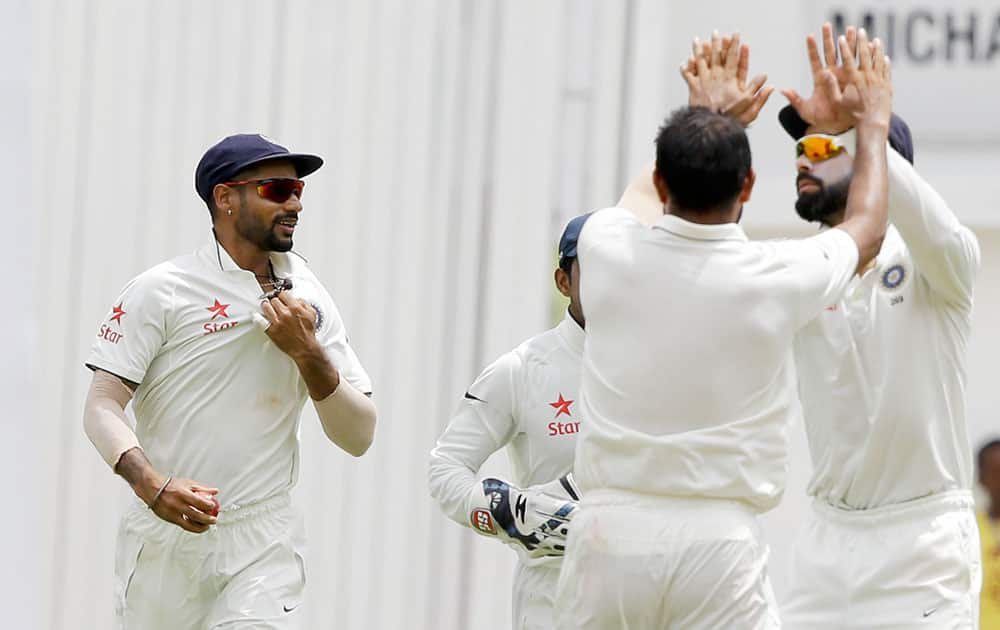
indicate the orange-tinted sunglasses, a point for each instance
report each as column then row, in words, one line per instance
column 276, row 189
column 818, row 147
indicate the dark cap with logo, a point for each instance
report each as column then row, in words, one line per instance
column 233, row 154
column 570, row 235
column 899, row 132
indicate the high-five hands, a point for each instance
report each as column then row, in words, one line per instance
column 830, row 78
column 716, row 75
column 867, row 95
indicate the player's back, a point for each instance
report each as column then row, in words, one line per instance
column 688, row 384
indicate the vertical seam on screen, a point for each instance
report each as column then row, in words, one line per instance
column 431, row 611
column 625, row 103
column 278, row 58
column 487, row 192
column 84, row 122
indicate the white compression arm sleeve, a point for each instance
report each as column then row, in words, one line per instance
column 104, row 417
column 348, row 418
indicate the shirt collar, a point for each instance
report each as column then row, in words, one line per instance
column 571, row 333
column 701, row 231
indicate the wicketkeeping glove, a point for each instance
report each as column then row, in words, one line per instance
column 534, row 519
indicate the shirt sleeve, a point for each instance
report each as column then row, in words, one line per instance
column 945, row 252
column 605, row 228
column 332, row 334
column 135, row 327
column 483, row 423
column 821, row 266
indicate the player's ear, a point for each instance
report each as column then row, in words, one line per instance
column 661, row 187
column 562, row 281
column 748, row 183
column 223, row 196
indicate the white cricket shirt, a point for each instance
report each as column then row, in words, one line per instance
column 688, row 385
column 217, row 401
column 525, row 401
column 882, row 372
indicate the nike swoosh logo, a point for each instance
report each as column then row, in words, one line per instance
column 471, row 397
column 289, row 608
column 929, row 612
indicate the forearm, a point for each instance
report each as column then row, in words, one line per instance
column 453, row 485
column 319, row 374
column 348, row 418
column 104, row 419
column 134, row 468
column 866, row 215
column 472, row 436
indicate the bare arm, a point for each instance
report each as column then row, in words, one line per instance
column 348, row 419
column 105, row 424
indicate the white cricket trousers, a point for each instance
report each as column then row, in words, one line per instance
column 640, row 563
column 534, row 594
column 245, row 572
column 907, row 566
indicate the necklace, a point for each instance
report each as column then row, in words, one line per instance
column 269, row 278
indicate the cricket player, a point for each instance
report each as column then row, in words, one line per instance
column 891, row 541
column 688, row 384
column 218, row 351
column 526, row 401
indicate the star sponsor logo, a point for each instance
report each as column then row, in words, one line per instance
column 483, row 521
column 107, row 332
column 563, row 428
column 218, row 309
column 117, row 312
column 561, row 406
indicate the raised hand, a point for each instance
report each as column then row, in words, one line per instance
column 867, row 94
column 819, row 109
column 291, row 324
column 716, row 75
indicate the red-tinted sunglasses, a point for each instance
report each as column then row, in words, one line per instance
column 276, row 189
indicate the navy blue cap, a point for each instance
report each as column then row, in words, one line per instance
column 900, row 138
column 570, row 235
column 233, row 154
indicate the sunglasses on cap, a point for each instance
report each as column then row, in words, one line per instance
column 818, row 147
column 276, row 189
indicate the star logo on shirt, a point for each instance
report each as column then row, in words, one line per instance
column 562, row 405
column 116, row 313
column 218, row 309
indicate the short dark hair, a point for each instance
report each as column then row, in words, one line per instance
column 703, row 158
column 985, row 448
column 566, row 264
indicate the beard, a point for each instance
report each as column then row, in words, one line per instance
column 828, row 200
column 261, row 233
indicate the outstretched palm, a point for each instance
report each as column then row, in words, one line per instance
column 820, row 110
column 716, row 75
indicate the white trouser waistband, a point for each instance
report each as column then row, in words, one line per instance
column 938, row 503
